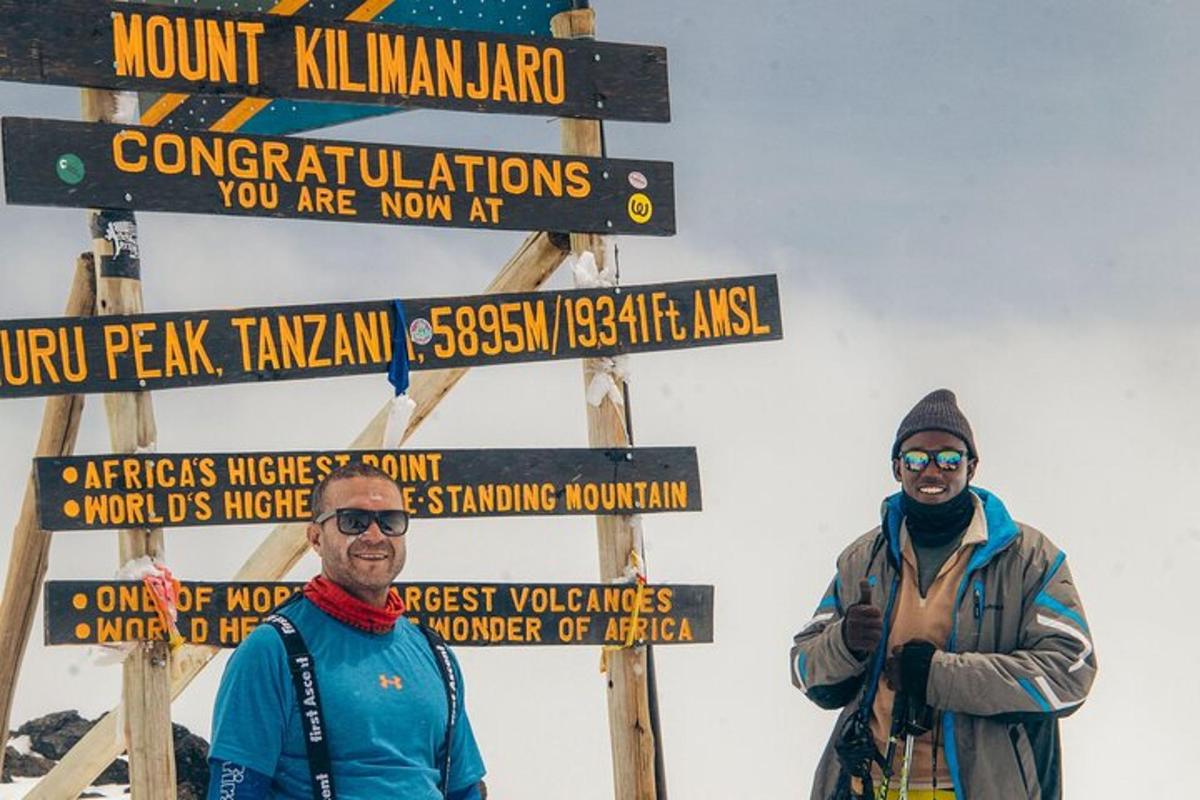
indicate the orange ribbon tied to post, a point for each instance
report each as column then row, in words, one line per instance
column 164, row 593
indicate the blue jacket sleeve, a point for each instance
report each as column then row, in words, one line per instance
column 253, row 704
column 469, row 793
column 231, row 781
column 466, row 764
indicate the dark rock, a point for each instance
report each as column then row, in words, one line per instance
column 54, row 734
column 191, row 763
column 19, row 765
column 117, row 772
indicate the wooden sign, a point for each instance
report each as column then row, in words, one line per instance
column 67, row 355
column 169, row 490
column 95, row 165
column 279, row 116
column 468, row 614
column 116, row 45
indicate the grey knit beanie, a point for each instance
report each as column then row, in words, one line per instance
column 937, row 411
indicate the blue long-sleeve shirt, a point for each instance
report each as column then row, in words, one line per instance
column 384, row 706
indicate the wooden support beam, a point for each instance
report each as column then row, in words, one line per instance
column 528, row 269
column 146, row 684
column 30, row 551
column 630, row 731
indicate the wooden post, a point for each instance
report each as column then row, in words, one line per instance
column 30, row 544
column 629, row 723
column 146, row 685
column 528, row 269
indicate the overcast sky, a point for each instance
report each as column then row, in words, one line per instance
column 996, row 197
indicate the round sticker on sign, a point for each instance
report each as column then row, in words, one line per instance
column 638, row 181
column 640, row 208
column 420, row 331
column 69, row 168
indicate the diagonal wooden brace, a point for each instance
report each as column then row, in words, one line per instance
column 30, row 552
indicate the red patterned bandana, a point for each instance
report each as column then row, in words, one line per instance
column 345, row 607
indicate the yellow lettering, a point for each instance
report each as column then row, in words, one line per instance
column 129, row 54
column 449, row 68
column 118, row 151
column 308, row 74
column 502, row 77
column 422, row 76
column 160, row 42
column 251, row 30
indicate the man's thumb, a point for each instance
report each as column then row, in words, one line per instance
column 864, row 592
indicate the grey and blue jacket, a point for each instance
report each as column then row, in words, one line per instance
column 1019, row 656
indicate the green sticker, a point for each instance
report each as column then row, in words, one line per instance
column 69, row 168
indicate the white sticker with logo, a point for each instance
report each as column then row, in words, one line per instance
column 420, row 331
column 638, row 181
column 122, row 234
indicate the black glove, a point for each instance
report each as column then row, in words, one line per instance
column 862, row 627
column 907, row 671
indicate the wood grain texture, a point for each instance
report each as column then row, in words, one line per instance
column 286, row 177
column 630, row 730
column 146, row 698
column 29, row 555
column 187, row 489
column 71, row 42
column 274, row 343
column 465, row 614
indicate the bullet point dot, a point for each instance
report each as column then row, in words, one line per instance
column 70, row 474
column 71, row 508
column 83, row 630
column 79, row 601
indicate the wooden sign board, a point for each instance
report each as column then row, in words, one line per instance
column 168, row 490
column 180, row 110
column 96, row 165
column 68, row 355
column 116, row 45
column 466, row 614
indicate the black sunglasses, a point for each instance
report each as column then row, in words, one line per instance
column 353, row 521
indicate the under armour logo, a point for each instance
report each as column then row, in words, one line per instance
column 393, row 682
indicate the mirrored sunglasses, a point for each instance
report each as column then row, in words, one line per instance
column 946, row 460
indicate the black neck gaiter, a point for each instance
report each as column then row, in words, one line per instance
column 935, row 525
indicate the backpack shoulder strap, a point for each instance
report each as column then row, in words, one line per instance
column 441, row 654
column 304, row 679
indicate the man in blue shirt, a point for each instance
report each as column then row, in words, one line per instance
column 384, row 701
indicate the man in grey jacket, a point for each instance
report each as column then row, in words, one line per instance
column 958, row 622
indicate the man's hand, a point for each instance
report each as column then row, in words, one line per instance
column 862, row 627
column 907, row 669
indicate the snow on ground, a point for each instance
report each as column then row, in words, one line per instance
column 21, row 744
column 21, row 786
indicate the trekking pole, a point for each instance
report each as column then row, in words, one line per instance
column 917, row 721
column 899, row 717
column 906, row 765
